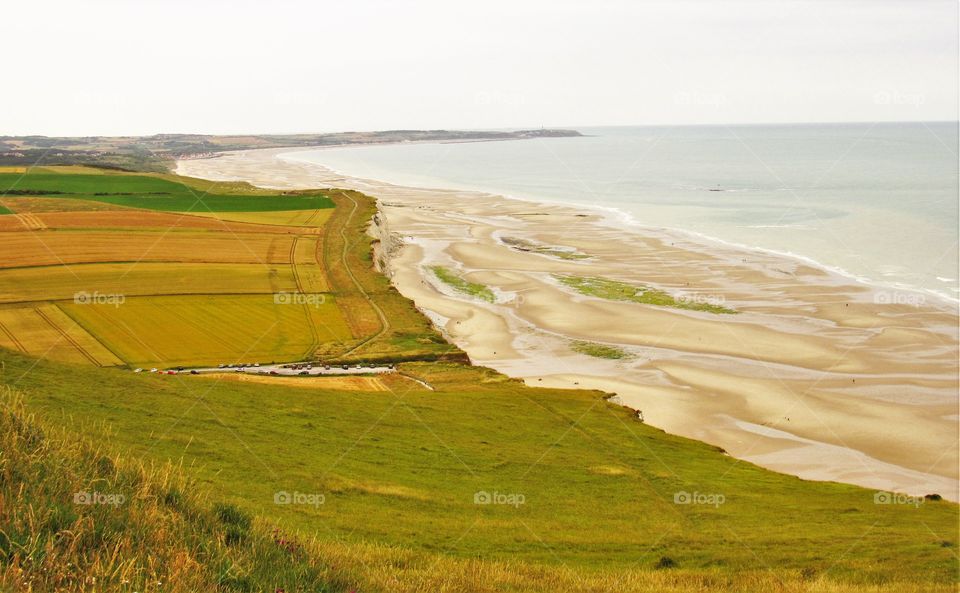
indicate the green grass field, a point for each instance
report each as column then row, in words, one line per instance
column 149, row 192
column 599, row 490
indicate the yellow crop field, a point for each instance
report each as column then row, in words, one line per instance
column 165, row 221
column 315, row 219
column 21, row 204
column 65, row 247
column 47, row 333
column 199, row 330
column 52, row 283
column 342, row 383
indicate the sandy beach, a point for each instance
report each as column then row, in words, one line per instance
column 816, row 375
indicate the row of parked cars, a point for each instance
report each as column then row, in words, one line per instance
column 168, row 371
column 304, row 368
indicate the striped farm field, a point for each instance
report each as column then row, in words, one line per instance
column 297, row 218
column 67, row 247
column 194, row 264
column 200, row 330
column 125, row 220
column 55, row 283
column 46, row 332
column 31, row 204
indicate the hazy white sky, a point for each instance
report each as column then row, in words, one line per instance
column 76, row 67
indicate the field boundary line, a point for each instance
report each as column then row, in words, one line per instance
column 318, row 245
column 293, row 264
column 68, row 338
column 30, row 221
column 310, row 218
column 13, row 338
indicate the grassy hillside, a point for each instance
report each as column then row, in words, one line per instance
column 77, row 518
column 592, row 489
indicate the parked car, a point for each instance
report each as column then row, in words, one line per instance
column 153, row 370
column 137, row 370
column 194, row 372
column 304, row 372
column 221, row 366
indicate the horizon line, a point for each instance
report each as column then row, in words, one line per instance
column 510, row 128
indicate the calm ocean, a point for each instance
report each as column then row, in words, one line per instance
column 877, row 201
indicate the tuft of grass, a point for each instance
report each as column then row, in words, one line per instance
column 598, row 350
column 551, row 250
column 615, row 290
column 459, row 284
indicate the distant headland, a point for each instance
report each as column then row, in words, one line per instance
column 160, row 151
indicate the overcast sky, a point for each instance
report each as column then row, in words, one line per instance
column 77, row 67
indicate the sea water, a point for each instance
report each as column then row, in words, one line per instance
column 876, row 201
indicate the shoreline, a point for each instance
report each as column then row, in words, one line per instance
column 629, row 221
column 808, row 379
